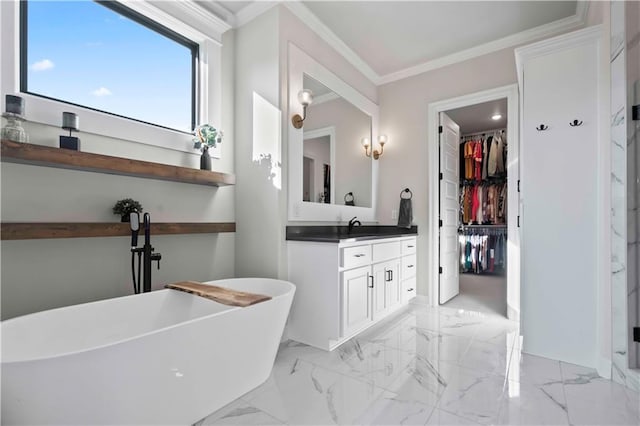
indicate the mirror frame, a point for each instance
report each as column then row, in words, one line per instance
column 299, row 64
column 329, row 131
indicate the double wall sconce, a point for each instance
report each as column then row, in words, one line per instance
column 382, row 139
column 305, row 97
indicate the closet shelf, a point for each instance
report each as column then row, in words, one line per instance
column 42, row 230
column 38, row 155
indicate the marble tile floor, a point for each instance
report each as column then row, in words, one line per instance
column 430, row 366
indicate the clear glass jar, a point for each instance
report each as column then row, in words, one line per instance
column 13, row 130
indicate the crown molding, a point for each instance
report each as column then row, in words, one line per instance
column 202, row 24
column 327, row 97
column 551, row 29
column 543, row 31
column 220, row 11
column 582, row 9
column 252, row 11
column 312, row 21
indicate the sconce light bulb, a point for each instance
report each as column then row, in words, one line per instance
column 365, row 142
column 382, row 139
column 305, row 97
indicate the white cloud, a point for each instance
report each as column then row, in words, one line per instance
column 42, row 65
column 103, row 91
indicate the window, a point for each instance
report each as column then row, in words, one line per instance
column 106, row 57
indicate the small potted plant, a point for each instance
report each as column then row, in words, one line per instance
column 206, row 136
column 125, row 207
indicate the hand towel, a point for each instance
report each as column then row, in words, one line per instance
column 405, row 216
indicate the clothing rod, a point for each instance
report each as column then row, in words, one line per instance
column 483, row 226
column 484, row 132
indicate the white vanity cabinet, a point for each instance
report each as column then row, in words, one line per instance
column 344, row 287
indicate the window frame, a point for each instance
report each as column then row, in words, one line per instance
column 136, row 17
column 187, row 20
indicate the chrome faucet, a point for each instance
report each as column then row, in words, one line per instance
column 353, row 223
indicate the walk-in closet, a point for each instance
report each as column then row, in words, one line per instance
column 476, row 218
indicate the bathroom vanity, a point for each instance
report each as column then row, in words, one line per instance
column 347, row 281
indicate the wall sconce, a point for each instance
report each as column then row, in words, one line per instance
column 305, row 97
column 382, row 139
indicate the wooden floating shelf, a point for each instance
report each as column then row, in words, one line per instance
column 41, row 230
column 38, row 155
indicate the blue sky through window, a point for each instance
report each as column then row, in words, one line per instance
column 87, row 54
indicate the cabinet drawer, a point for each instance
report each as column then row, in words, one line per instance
column 408, row 246
column 408, row 289
column 351, row 257
column 409, row 266
column 386, row 251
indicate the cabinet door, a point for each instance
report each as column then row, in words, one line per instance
column 392, row 286
column 356, row 299
column 386, row 287
column 380, row 276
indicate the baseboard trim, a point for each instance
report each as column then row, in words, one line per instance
column 512, row 313
column 604, row 367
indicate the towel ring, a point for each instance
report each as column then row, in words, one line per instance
column 405, row 191
column 349, row 199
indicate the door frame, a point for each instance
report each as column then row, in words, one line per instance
column 513, row 199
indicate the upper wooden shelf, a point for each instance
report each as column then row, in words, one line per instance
column 38, row 155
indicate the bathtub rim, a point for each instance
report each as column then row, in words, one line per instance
column 291, row 291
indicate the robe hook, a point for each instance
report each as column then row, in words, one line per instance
column 542, row 127
column 575, row 123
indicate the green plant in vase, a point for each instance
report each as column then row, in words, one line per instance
column 206, row 136
column 125, row 207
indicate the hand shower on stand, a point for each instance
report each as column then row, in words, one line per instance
column 145, row 253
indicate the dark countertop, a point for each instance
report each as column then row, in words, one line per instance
column 336, row 234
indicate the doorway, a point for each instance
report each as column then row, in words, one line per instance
column 480, row 281
column 473, row 207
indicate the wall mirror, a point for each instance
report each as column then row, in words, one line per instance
column 330, row 177
column 333, row 160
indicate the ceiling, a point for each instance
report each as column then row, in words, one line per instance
column 391, row 36
column 477, row 118
column 389, row 40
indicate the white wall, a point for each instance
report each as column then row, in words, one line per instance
column 295, row 31
column 351, row 125
column 259, row 223
column 43, row 274
column 403, row 117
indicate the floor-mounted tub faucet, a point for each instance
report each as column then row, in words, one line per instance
column 146, row 252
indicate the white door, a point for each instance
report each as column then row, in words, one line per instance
column 449, row 207
column 356, row 299
column 560, row 222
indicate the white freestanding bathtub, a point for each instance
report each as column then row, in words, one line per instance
column 164, row 357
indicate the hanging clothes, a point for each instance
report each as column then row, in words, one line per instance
column 483, row 251
column 485, row 156
column 477, row 159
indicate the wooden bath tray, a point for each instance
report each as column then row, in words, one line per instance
column 219, row 294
